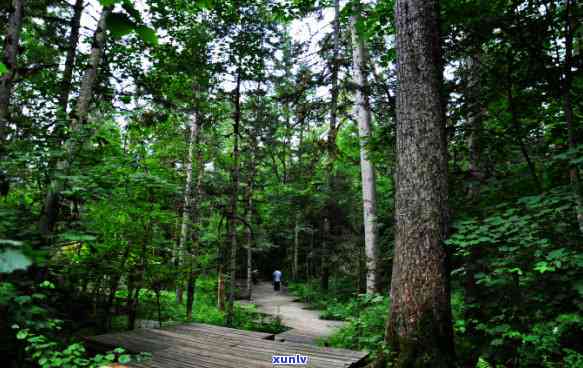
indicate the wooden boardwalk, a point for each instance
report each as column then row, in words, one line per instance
column 204, row 346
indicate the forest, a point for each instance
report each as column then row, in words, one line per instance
column 413, row 167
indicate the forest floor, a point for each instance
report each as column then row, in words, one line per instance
column 295, row 315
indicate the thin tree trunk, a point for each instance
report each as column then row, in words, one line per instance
column 193, row 274
column 363, row 115
column 250, row 189
column 11, row 42
column 325, row 261
column 51, row 205
column 296, row 247
column 71, row 55
column 474, row 120
column 515, row 124
column 233, row 205
column 114, row 286
column 185, row 231
column 221, row 288
column 419, row 328
column 569, row 115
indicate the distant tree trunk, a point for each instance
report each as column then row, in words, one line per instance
column 473, row 265
column 221, row 288
column 250, row 189
column 363, row 115
column 51, row 205
column 570, row 28
column 9, row 59
column 296, row 247
column 71, row 55
column 325, row 261
column 193, row 274
column 332, row 132
column 514, row 121
column 419, row 328
column 234, row 197
column 474, row 123
column 187, row 213
column 114, row 286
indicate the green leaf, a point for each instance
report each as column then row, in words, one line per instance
column 124, row 359
column 108, row 2
column 12, row 260
column 3, row 69
column 21, row 335
column 148, row 35
column 119, row 24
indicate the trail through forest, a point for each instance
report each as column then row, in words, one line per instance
column 293, row 314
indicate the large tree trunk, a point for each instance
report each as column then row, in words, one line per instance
column 51, row 205
column 9, row 59
column 233, row 206
column 186, row 228
column 363, row 115
column 419, row 329
column 71, row 55
column 568, row 107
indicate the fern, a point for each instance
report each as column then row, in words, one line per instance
column 482, row 363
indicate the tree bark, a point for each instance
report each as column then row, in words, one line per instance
column 474, row 123
column 296, row 247
column 331, row 144
column 51, row 204
column 233, row 206
column 473, row 265
column 187, row 213
column 574, row 176
column 325, row 262
column 71, row 55
column 419, row 329
column 193, row 274
column 362, row 113
column 9, row 59
column 250, row 189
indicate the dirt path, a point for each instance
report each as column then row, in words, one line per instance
column 293, row 314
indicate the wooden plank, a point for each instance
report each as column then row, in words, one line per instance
column 222, row 330
column 205, row 346
column 257, row 350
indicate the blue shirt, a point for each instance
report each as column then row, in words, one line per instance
column 277, row 276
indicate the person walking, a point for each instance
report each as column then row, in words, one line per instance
column 276, row 280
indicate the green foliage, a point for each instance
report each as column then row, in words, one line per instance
column 365, row 328
column 527, row 275
column 49, row 354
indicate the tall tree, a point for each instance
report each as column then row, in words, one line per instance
column 9, row 59
column 195, row 236
column 332, row 132
column 232, row 217
column 567, row 83
column 362, row 114
column 51, row 205
column 67, row 79
column 419, row 329
column 187, row 214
